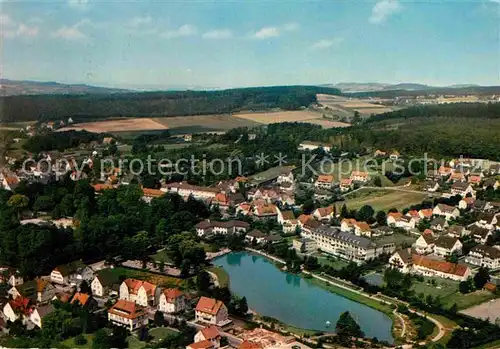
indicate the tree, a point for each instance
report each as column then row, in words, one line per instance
column 452, row 258
column 343, row 211
column 159, row 319
column 85, row 288
column 377, row 181
column 18, row 202
column 243, row 306
column 347, row 327
column 80, row 340
column 481, row 278
column 381, row 217
column 203, row 281
column 365, row 213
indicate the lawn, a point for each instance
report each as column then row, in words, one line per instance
column 222, row 275
column 383, row 200
column 160, row 280
column 441, row 288
column 397, row 238
column 336, row 264
column 70, row 342
column 161, row 256
column 209, row 248
column 160, row 333
column 468, row 300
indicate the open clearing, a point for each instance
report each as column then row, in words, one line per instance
column 118, row 125
column 383, row 200
column 204, row 123
column 291, row 116
column 365, row 107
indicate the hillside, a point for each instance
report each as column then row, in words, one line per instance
column 400, row 88
column 154, row 104
column 24, row 87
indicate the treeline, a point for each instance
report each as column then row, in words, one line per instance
column 60, row 140
column 149, row 104
column 458, row 91
column 452, row 110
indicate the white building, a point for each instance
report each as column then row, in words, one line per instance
column 172, row 301
column 141, row 292
column 484, row 256
column 127, row 314
column 211, row 311
column 447, row 211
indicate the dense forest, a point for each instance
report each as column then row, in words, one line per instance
column 60, row 140
column 148, row 104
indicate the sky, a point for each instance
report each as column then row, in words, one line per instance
column 231, row 43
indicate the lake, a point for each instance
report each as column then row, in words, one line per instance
column 294, row 300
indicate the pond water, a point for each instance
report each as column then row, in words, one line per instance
column 294, row 300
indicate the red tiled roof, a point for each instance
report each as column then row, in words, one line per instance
column 172, row 293
column 395, row 215
column 345, row 181
column 426, row 212
column 206, row 344
column 303, row 218
column 441, row 266
column 246, row 344
column 325, row 179
column 210, row 332
column 153, row 193
column 101, row 187
column 126, row 309
column 82, row 298
column 134, row 286
column 359, row 174
column 209, row 305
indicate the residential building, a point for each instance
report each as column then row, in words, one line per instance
column 206, row 344
column 39, row 291
column 212, row 227
column 426, row 266
column 74, row 272
column 491, row 182
column 212, row 311
column 127, row 314
column 286, row 177
column 211, row 334
column 447, row 211
column 9, row 181
column 359, row 176
column 185, row 190
column 347, row 225
column 304, row 245
column 172, row 301
column 85, row 300
column 382, row 231
column 18, row 308
column 431, row 186
column 266, row 211
column 362, row 229
column 474, row 180
column 466, row 203
column 425, row 213
column 446, row 245
column 394, row 155
column 255, row 235
column 104, row 283
column 462, row 188
column 457, row 176
column 141, row 292
column 310, row 145
column 393, row 217
column 439, row 224
column 345, row 245
column 148, row 194
column 39, row 314
column 346, row 184
column 479, row 233
column 324, row 182
column 425, row 244
column 484, row 256
column 457, row 231
column 324, row 213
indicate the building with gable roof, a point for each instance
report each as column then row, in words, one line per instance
column 172, row 301
column 211, row 311
column 128, row 314
column 141, row 292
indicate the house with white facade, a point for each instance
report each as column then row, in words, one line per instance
column 311, row 145
column 128, row 314
column 359, row 176
column 425, row 244
column 256, row 236
column 462, row 189
column 346, row 184
column 172, row 301
column 39, row 314
column 74, row 272
column 324, row 213
column 211, row 311
column 446, row 245
column 213, row 227
column 447, row 211
column 484, row 256
column 324, row 182
column 104, row 283
column 211, row 334
column 141, row 292
column 426, row 266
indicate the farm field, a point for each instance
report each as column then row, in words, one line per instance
column 117, row 125
column 290, row 116
column 349, row 105
column 203, row 123
column 383, row 199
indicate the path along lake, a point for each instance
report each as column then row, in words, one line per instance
column 294, row 300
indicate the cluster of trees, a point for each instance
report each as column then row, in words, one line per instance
column 166, row 103
column 114, row 223
column 60, row 140
column 475, row 283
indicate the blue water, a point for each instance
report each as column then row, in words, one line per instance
column 294, row 300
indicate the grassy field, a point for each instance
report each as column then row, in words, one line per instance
column 161, row 256
column 334, row 263
column 383, row 199
column 160, row 280
column 398, row 238
column 118, row 125
column 290, row 116
column 222, row 275
column 468, row 300
column 441, row 288
column 269, row 174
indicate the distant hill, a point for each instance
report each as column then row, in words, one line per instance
column 156, row 104
column 355, row 87
column 24, row 87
